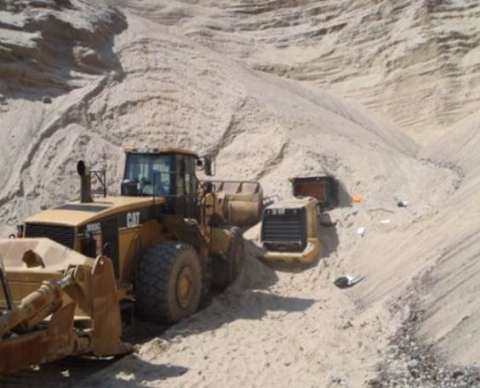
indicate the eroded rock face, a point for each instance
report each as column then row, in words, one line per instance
column 415, row 62
column 51, row 46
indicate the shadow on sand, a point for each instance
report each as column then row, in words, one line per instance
column 236, row 305
column 134, row 372
column 84, row 371
column 247, row 299
column 51, row 67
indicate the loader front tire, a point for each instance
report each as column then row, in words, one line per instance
column 228, row 267
column 168, row 283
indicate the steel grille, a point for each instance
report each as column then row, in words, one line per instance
column 277, row 228
column 61, row 234
column 284, row 231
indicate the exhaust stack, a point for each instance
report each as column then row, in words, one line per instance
column 85, row 183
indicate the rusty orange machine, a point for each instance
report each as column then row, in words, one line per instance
column 79, row 270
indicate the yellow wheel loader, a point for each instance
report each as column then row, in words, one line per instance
column 77, row 272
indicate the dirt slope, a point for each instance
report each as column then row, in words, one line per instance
column 54, row 46
column 452, row 309
column 414, row 62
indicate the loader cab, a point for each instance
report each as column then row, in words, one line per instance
column 163, row 173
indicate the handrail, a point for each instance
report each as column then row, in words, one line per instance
column 103, row 182
column 5, row 287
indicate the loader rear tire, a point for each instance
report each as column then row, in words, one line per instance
column 168, row 283
column 228, row 267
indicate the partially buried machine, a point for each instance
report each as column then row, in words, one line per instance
column 76, row 273
column 289, row 230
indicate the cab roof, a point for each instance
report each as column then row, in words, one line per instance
column 160, row 151
column 294, row 203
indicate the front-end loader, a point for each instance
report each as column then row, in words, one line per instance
column 79, row 271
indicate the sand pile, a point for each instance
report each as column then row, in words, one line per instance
column 54, row 46
column 176, row 87
column 47, row 48
column 415, row 62
column 175, row 92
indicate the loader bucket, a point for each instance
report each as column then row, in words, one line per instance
column 240, row 202
column 62, row 304
column 30, row 261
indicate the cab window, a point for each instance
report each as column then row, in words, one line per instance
column 152, row 172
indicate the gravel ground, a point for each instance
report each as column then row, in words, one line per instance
column 410, row 363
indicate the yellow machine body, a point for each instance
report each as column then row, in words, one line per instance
column 68, row 284
column 289, row 231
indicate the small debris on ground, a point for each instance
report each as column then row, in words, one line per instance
column 361, row 231
column 356, row 198
column 348, row 281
